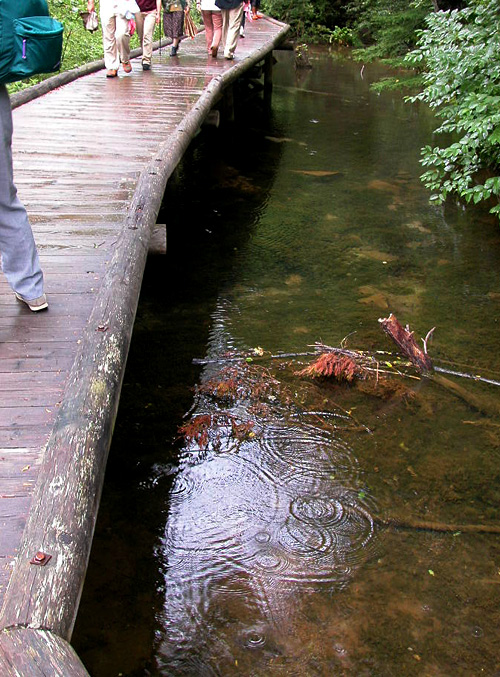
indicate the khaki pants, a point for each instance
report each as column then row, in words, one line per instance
column 115, row 36
column 146, row 22
column 231, row 22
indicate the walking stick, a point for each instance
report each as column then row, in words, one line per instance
column 159, row 29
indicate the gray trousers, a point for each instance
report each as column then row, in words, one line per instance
column 19, row 255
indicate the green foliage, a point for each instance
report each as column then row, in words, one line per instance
column 340, row 36
column 387, row 28
column 311, row 20
column 459, row 54
column 407, row 81
column 79, row 46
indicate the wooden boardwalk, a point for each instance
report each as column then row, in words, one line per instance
column 91, row 161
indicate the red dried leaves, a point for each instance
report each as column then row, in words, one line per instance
column 212, row 428
column 333, row 365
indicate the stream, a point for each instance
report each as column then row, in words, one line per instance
column 261, row 522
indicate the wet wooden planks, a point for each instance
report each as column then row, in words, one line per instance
column 91, row 160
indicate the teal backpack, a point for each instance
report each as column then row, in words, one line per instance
column 30, row 40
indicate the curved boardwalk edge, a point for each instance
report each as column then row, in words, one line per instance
column 67, row 494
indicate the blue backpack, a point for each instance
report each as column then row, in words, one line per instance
column 30, row 40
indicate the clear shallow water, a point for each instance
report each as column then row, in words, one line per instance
column 263, row 551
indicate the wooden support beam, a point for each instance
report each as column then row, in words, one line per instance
column 158, row 240
column 212, row 119
column 286, row 46
column 227, row 106
column 268, row 71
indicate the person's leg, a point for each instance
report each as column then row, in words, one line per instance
column 242, row 25
column 111, row 58
column 209, row 27
column 140, row 18
column 233, row 31
column 123, row 38
column 225, row 25
column 169, row 30
column 167, row 24
column 217, row 36
column 147, row 40
column 19, row 255
column 177, row 29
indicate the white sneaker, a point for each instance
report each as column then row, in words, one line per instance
column 34, row 304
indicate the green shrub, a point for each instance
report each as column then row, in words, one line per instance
column 387, row 28
column 311, row 20
column 459, row 54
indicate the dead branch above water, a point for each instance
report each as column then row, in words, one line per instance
column 404, row 338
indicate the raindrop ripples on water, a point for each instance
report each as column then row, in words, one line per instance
column 283, row 510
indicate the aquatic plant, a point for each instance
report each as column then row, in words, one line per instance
column 211, row 429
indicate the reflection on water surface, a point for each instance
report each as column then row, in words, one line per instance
column 256, row 524
column 262, row 550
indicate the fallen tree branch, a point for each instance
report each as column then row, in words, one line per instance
column 406, row 341
column 416, row 525
column 404, row 338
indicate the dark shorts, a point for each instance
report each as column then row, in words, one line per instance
column 172, row 24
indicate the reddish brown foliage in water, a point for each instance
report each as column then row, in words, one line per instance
column 196, row 430
column 245, row 381
column 209, row 428
column 333, row 365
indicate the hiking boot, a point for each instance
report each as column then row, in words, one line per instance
column 213, row 52
column 146, row 66
column 34, row 304
column 173, row 51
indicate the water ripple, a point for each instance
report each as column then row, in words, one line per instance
column 308, row 451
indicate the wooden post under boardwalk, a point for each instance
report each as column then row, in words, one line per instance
column 268, row 71
column 93, row 202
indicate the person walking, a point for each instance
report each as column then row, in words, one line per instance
column 212, row 20
column 145, row 21
column 115, row 16
column 232, row 12
column 20, row 262
column 173, row 21
column 255, row 9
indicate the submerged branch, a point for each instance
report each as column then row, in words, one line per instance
column 416, row 525
column 473, row 377
column 251, row 356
